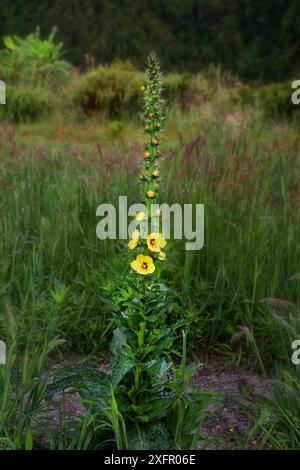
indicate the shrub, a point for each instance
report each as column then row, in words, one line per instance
column 244, row 96
column 175, row 85
column 201, row 85
column 33, row 60
column 116, row 89
column 276, row 100
column 113, row 90
column 25, row 103
column 115, row 128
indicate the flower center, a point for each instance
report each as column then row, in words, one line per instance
column 152, row 241
column 144, row 265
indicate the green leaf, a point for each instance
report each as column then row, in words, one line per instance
column 148, row 437
column 91, row 380
column 28, row 439
column 9, row 43
column 118, row 341
column 121, row 363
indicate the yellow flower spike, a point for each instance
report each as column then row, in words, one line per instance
column 140, row 216
column 150, row 194
column 135, row 239
column 143, row 265
column 162, row 256
column 155, row 242
column 147, row 154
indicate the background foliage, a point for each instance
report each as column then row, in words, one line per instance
column 256, row 40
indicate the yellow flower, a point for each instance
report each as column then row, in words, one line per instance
column 142, row 88
column 135, row 239
column 155, row 173
column 158, row 213
column 150, row 194
column 162, row 256
column 156, row 241
column 154, row 141
column 140, row 216
column 143, row 265
column 147, row 154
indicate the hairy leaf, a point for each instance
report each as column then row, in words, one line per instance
column 148, row 437
column 92, row 380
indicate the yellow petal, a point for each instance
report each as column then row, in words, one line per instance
column 135, row 235
column 132, row 244
column 162, row 242
column 151, row 268
column 135, row 265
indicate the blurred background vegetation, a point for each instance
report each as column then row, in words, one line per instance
column 256, row 40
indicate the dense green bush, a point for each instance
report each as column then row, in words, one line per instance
column 33, row 60
column 276, row 100
column 117, row 89
column 245, row 95
column 175, row 85
column 113, row 90
column 25, row 103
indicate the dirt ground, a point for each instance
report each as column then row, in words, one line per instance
column 233, row 414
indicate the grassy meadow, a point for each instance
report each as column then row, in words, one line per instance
column 67, row 146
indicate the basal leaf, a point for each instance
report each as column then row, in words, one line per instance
column 92, row 380
column 152, row 436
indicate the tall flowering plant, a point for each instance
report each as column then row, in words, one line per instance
column 151, row 249
column 146, row 401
